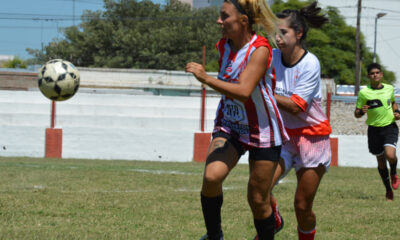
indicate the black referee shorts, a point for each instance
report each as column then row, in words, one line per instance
column 379, row 137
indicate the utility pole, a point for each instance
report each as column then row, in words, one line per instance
column 357, row 72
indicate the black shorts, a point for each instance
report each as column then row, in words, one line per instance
column 379, row 137
column 270, row 154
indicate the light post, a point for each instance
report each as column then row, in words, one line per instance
column 379, row 15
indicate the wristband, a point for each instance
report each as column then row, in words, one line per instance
column 397, row 111
column 360, row 112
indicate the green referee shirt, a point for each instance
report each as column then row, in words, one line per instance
column 380, row 112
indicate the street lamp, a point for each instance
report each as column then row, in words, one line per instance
column 379, row 15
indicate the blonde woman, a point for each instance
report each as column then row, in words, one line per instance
column 247, row 117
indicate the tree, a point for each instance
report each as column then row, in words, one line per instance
column 15, row 63
column 334, row 45
column 132, row 34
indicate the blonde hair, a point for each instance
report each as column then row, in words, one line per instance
column 260, row 14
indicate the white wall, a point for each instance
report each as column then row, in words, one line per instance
column 109, row 77
column 123, row 126
column 104, row 126
column 150, row 78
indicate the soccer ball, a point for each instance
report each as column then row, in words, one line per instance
column 58, row 80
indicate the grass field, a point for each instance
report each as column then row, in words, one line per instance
column 90, row 199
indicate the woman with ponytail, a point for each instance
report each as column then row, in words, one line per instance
column 298, row 94
column 247, row 117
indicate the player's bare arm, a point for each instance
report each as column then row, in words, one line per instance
column 248, row 80
column 287, row 104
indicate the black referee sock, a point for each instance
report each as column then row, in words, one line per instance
column 265, row 227
column 393, row 169
column 385, row 178
column 211, row 207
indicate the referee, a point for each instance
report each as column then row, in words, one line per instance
column 378, row 101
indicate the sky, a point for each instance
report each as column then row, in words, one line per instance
column 388, row 26
column 32, row 23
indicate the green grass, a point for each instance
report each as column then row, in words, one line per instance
column 92, row 199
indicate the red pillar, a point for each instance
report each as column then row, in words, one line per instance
column 201, row 142
column 53, row 148
column 53, row 143
column 335, row 151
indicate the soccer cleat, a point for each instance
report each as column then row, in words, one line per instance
column 389, row 196
column 278, row 220
column 279, row 228
column 395, row 181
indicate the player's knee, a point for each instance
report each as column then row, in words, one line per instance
column 213, row 178
column 301, row 205
column 257, row 197
column 392, row 158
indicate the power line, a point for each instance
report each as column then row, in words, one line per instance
column 392, row 48
column 380, row 9
column 96, row 2
column 28, row 27
column 395, row 17
column 395, row 38
column 46, row 17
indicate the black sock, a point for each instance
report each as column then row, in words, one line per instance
column 265, row 227
column 393, row 168
column 385, row 178
column 211, row 207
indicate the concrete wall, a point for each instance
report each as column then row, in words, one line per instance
column 123, row 126
column 160, row 79
column 104, row 126
column 158, row 82
column 18, row 80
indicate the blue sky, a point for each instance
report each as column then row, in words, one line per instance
column 388, row 34
column 29, row 24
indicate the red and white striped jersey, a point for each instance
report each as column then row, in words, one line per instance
column 302, row 84
column 257, row 122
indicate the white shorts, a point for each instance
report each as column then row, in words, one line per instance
column 306, row 151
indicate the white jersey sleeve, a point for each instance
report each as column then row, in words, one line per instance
column 307, row 84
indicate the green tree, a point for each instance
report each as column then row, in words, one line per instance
column 334, row 45
column 15, row 63
column 142, row 34
column 133, row 34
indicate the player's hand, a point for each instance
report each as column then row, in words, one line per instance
column 364, row 109
column 198, row 71
column 396, row 115
column 359, row 112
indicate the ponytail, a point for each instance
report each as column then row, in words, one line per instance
column 310, row 13
column 298, row 19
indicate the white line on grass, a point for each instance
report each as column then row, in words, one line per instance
column 162, row 172
column 42, row 187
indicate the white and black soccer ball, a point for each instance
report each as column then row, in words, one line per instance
column 58, row 80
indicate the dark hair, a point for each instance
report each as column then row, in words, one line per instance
column 297, row 19
column 373, row 66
